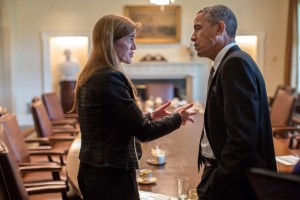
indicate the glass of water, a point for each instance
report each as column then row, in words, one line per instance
column 182, row 188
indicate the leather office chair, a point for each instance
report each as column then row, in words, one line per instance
column 58, row 123
column 273, row 185
column 44, row 128
column 163, row 90
column 12, row 186
column 33, row 169
column 281, row 114
column 21, row 149
column 282, row 111
column 26, row 131
column 286, row 88
column 283, row 108
column 55, row 110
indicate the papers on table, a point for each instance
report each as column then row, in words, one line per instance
column 287, row 159
column 152, row 196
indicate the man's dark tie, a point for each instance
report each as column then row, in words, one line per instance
column 211, row 73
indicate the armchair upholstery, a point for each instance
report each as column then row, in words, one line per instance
column 54, row 108
column 61, row 138
column 43, row 124
column 58, row 123
column 281, row 113
column 273, row 185
column 286, row 88
column 37, row 169
column 11, row 183
column 20, row 148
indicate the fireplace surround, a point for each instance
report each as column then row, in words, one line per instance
column 194, row 73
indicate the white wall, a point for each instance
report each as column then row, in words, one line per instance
column 5, row 54
column 1, row 58
column 28, row 19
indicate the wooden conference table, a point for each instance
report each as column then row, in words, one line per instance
column 181, row 148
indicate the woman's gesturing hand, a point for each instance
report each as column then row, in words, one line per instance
column 161, row 111
column 185, row 114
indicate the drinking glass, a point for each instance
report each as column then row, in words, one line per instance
column 182, row 188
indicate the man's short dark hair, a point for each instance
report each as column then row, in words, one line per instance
column 214, row 14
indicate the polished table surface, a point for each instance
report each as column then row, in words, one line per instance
column 181, row 148
column 281, row 149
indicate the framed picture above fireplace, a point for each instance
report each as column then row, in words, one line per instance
column 159, row 26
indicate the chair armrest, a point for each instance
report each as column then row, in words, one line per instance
column 61, row 138
column 50, row 153
column 285, row 128
column 71, row 116
column 24, row 164
column 40, row 168
column 284, row 131
column 41, row 140
column 47, row 153
column 39, row 148
column 44, row 183
column 64, row 121
column 68, row 123
column 47, row 189
column 66, row 131
column 53, row 169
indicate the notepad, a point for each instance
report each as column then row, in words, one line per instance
column 287, row 159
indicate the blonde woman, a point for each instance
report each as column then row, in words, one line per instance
column 110, row 117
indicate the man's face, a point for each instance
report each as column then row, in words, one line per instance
column 205, row 37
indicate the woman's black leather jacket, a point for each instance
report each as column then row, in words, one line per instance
column 110, row 120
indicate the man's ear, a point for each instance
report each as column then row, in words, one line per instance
column 221, row 27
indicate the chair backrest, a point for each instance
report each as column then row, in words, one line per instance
column 11, row 183
column 273, row 185
column 283, row 108
column 286, row 88
column 42, row 123
column 163, row 90
column 14, row 136
column 53, row 106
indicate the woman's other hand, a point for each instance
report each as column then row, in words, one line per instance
column 185, row 113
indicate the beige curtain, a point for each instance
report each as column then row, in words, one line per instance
column 291, row 55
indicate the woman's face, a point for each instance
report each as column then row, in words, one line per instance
column 124, row 48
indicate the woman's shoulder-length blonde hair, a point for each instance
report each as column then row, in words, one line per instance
column 106, row 30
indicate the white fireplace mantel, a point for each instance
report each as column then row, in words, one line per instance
column 195, row 74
